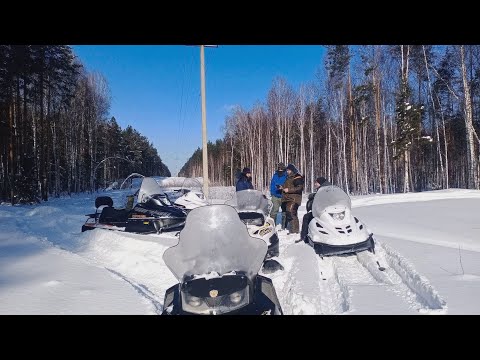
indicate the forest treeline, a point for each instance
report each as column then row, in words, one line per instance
column 376, row 119
column 56, row 136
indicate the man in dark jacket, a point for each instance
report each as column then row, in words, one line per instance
column 278, row 180
column 292, row 197
column 245, row 180
column 319, row 182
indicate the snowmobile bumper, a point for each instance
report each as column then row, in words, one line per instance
column 323, row 249
column 87, row 227
column 264, row 301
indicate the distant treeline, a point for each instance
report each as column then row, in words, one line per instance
column 378, row 118
column 55, row 135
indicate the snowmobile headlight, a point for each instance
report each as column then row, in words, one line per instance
column 194, row 301
column 236, row 297
column 217, row 304
column 338, row 216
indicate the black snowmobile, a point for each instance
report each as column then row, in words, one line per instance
column 216, row 262
column 153, row 213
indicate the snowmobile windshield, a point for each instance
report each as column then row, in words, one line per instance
column 192, row 184
column 215, row 242
column 250, row 200
column 330, row 196
column 187, row 185
column 149, row 188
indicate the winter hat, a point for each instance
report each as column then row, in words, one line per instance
column 292, row 168
column 246, row 170
column 281, row 166
column 320, row 180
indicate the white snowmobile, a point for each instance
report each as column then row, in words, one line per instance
column 253, row 207
column 216, row 263
column 333, row 229
column 189, row 196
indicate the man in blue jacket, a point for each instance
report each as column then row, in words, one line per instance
column 245, row 180
column 278, row 180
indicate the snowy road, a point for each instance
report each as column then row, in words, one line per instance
column 353, row 283
column 48, row 266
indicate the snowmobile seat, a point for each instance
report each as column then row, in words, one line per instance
column 103, row 200
column 112, row 215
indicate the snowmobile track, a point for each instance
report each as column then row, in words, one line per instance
column 335, row 296
column 340, row 274
column 142, row 290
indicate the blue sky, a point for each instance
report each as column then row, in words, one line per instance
column 156, row 88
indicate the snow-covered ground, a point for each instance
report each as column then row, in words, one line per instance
column 429, row 242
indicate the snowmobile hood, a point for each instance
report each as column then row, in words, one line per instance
column 331, row 197
column 250, row 200
column 191, row 199
column 214, row 239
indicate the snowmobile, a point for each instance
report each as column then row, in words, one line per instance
column 153, row 213
column 333, row 229
column 216, row 263
column 253, row 207
column 189, row 196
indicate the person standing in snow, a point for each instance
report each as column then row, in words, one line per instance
column 245, row 180
column 319, row 182
column 292, row 197
column 278, row 180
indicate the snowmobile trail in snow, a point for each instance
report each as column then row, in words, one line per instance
column 335, row 297
column 143, row 291
column 352, row 281
column 300, row 285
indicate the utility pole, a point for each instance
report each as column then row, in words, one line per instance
column 204, row 122
column 204, row 119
